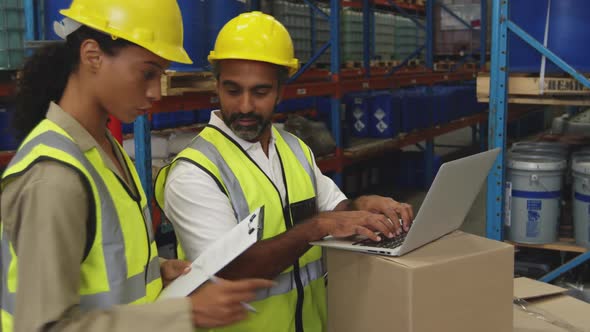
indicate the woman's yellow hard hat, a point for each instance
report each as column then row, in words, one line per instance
column 155, row 25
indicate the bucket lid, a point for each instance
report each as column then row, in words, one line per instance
column 542, row 151
column 582, row 165
column 542, row 144
column 528, row 162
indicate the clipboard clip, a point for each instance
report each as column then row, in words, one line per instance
column 260, row 225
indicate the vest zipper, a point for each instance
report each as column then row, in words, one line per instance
column 137, row 200
column 296, row 267
column 288, row 225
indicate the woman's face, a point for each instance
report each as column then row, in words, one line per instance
column 128, row 82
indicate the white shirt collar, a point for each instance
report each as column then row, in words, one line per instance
column 217, row 121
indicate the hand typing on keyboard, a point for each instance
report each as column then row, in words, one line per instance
column 388, row 243
column 389, row 207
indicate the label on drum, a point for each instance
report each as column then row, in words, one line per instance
column 533, row 217
column 507, row 203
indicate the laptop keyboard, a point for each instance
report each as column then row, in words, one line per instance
column 385, row 242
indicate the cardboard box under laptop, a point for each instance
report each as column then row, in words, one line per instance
column 548, row 309
column 459, row 283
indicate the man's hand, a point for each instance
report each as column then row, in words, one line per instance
column 389, row 207
column 220, row 304
column 348, row 223
column 172, row 269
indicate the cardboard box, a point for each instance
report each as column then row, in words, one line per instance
column 459, row 283
column 548, row 309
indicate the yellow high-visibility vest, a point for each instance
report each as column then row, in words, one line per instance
column 298, row 301
column 121, row 265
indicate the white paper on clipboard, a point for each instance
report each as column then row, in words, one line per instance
column 216, row 256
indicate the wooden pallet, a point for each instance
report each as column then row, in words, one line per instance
column 564, row 244
column 415, row 63
column 525, row 89
column 414, row 2
column 444, row 65
column 175, row 83
column 384, row 63
column 353, row 64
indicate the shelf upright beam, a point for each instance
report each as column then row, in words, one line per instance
column 30, row 19
column 497, row 118
column 430, row 33
column 143, row 154
column 312, row 31
column 367, row 22
column 429, row 151
column 483, row 34
column 335, row 70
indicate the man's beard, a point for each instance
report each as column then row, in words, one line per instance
column 249, row 133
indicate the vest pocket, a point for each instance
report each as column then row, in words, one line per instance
column 303, row 210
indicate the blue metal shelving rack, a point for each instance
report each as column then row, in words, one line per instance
column 142, row 126
column 501, row 26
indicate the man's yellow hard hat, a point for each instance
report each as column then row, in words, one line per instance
column 255, row 36
column 155, row 25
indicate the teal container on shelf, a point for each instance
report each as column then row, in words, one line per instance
column 12, row 33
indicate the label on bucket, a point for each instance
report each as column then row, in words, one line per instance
column 533, row 217
column 507, row 203
column 534, row 205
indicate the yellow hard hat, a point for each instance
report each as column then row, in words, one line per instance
column 155, row 25
column 255, row 36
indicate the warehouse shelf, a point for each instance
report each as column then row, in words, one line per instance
column 208, row 100
column 366, row 148
column 384, row 3
column 499, row 82
column 562, row 245
column 526, row 89
column 333, row 81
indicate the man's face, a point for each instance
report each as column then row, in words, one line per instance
column 248, row 93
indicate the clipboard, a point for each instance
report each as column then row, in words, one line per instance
column 217, row 256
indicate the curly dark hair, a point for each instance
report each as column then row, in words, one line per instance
column 45, row 75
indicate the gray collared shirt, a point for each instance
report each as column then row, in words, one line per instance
column 45, row 214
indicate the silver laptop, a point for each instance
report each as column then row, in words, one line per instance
column 446, row 204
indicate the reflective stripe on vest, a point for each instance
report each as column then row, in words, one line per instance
column 7, row 297
column 238, row 198
column 293, row 143
column 298, row 298
column 122, row 290
column 286, row 281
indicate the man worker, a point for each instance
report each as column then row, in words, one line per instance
column 240, row 162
